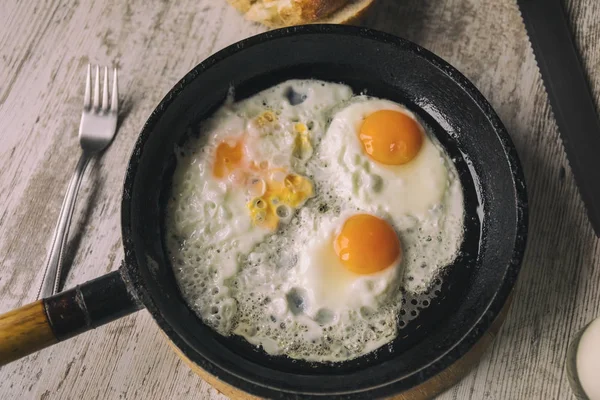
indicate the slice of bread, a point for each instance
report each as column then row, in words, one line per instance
column 280, row 13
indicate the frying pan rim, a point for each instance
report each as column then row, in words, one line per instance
column 511, row 270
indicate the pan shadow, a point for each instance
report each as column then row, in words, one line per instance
column 557, row 252
column 406, row 18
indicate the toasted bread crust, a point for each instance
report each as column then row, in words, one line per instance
column 350, row 14
column 279, row 13
column 307, row 11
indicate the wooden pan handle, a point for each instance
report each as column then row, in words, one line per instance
column 24, row 331
column 69, row 313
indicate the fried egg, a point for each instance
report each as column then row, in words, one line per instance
column 301, row 215
column 349, row 265
column 387, row 160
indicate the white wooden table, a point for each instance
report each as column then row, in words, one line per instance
column 44, row 47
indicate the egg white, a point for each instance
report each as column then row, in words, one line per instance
column 272, row 288
column 412, row 188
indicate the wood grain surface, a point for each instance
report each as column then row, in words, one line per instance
column 44, row 47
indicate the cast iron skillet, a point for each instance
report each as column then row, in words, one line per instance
column 472, row 292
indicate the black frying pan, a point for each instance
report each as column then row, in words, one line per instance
column 474, row 288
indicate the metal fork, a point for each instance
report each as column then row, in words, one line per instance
column 96, row 130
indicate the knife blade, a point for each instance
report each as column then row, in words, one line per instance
column 569, row 94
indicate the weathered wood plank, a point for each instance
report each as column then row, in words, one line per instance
column 43, row 49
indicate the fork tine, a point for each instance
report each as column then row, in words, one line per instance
column 87, row 98
column 105, row 91
column 114, row 103
column 97, row 89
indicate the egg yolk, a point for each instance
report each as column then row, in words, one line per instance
column 367, row 244
column 391, row 137
column 227, row 158
column 278, row 199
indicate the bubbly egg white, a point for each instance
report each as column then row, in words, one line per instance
column 271, row 287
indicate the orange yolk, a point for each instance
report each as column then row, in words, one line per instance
column 391, row 137
column 227, row 158
column 367, row 244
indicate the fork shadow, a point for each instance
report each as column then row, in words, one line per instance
column 80, row 221
column 125, row 107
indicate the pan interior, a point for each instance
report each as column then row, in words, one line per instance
column 384, row 67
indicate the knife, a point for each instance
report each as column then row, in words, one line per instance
column 570, row 96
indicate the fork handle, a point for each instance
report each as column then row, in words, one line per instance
column 52, row 272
